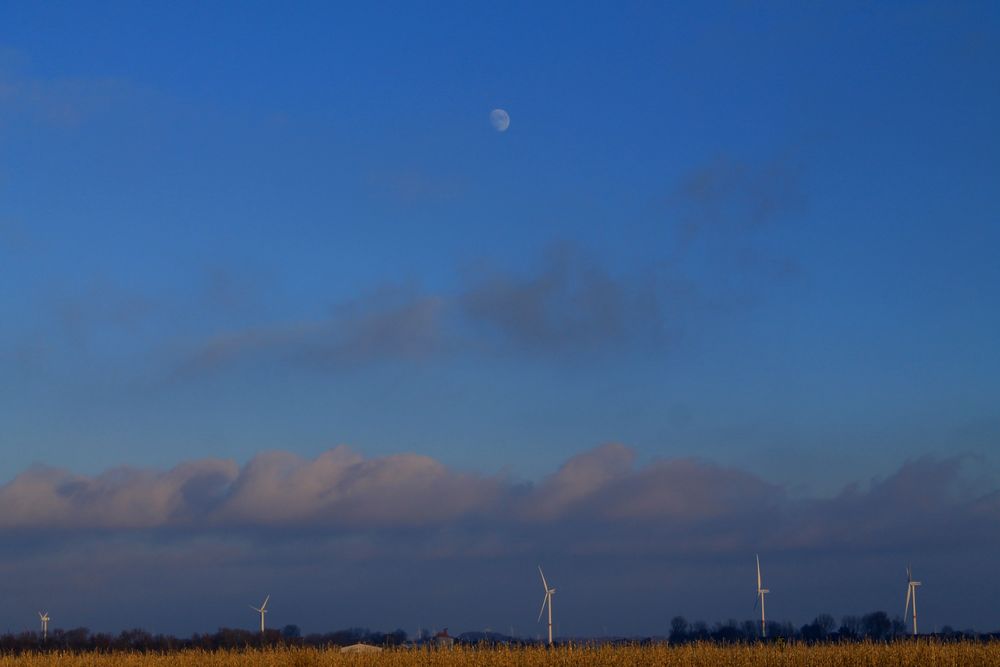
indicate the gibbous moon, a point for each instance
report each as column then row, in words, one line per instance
column 500, row 120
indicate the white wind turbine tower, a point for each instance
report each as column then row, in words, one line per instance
column 44, row 616
column 262, row 610
column 911, row 592
column 547, row 600
column 760, row 598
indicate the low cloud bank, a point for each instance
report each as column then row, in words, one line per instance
column 598, row 501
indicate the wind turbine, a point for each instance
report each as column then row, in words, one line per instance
column 760, row 598
column 262, row 610
column 44, row 616
column 911, row 592
column 547, row 600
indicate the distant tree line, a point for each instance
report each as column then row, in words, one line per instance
column 876, row 626
column 82, row 640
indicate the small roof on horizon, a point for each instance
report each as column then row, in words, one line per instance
column 361, row 648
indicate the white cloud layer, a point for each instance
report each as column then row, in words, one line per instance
column 599, row 500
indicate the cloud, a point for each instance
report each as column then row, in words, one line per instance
column 342, row 488
column 571, row 302
column 60, row 102
column 926, row 501
column 44, row 498
column 568, row 304
column 569, row 307
column 414, row 185
column 14, row 235
column 723, row 213
column 731, row 196
column 579, row 480
column 599, row 500
column 393, row 537
column 338, row 488
column 95, row 318
column 389, row 324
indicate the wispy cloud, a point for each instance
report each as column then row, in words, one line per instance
column 55, row 101
column 568, row 304
column 390, row 324
column 731, row 196
column 416, row 185
column 14, row 235
column 723, row 213
column 571, row 302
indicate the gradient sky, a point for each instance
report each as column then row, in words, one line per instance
column 728, row 283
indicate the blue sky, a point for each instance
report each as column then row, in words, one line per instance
column 761, row 237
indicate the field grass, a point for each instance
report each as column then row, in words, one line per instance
column 922, row 654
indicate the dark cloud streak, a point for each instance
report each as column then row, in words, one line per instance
column 569, row 305
column 392, row 324
column 732, row 197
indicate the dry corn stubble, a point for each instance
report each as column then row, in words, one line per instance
column 922, row 653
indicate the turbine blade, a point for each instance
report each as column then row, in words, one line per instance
column 264, row 606
column 756, row 599
column 544, row 583
column 906, row 609
column 542, row 610
column 758, row 571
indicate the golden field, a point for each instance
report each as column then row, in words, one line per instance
column 922, row 654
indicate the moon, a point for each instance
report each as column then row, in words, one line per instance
column 500, row 120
